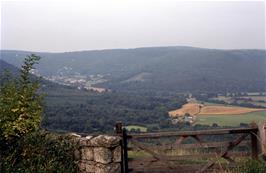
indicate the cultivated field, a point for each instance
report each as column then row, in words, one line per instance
column 226, row 110
column 190, row 108
column 222, row 115
column 200, row 109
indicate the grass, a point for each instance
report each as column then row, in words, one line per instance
column 229, row 120
column 141, row 128
column 140, row 154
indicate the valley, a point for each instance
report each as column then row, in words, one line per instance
column 124, row 86
column 205, row 113
column 156, row 69
column 89, row 91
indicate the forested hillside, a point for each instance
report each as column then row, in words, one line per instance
column 46, row 86
column 100, row 112
column 5, row 66
column 69, row 109
column 159, row 68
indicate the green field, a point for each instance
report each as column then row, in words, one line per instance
column 231, row 120
column 141, row 128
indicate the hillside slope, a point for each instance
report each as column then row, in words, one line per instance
column 50, row 88
column 160, row 68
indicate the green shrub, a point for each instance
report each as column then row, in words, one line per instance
column 39, row 152
column 24, row 148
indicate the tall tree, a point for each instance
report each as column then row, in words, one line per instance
column 20, row 102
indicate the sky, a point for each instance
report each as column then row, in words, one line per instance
column 62, row 26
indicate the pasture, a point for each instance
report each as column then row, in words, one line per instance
column 231, row 120
column 136, row 127
column 256, row 100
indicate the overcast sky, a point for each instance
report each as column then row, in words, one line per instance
column 58, row 26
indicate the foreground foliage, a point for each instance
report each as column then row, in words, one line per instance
column 24, row 147
column 20, row 103
column 39, row 152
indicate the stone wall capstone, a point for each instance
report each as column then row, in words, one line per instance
column 99, row 154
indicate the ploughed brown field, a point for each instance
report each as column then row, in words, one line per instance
column 200, row 109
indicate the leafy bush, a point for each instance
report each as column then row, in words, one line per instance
column 24, row 148
column 39, row 152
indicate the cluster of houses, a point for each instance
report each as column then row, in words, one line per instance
column 186, row 114
column 184, row 119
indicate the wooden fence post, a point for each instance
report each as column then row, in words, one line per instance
column 254, row 141
column 119, row 131
column 262, row 136
column 118, row 128
column 125, row 150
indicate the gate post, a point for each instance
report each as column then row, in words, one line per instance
column 254, row 141
column 125, row 150
column 262, row 136
column 124, row 155
column 119, row 131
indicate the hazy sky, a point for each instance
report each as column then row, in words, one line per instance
column 57, row 26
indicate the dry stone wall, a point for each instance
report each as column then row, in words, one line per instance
column 100, row 154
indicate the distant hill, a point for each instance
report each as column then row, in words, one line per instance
column 50, row 88
column 6, row 66
column 178, row 69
